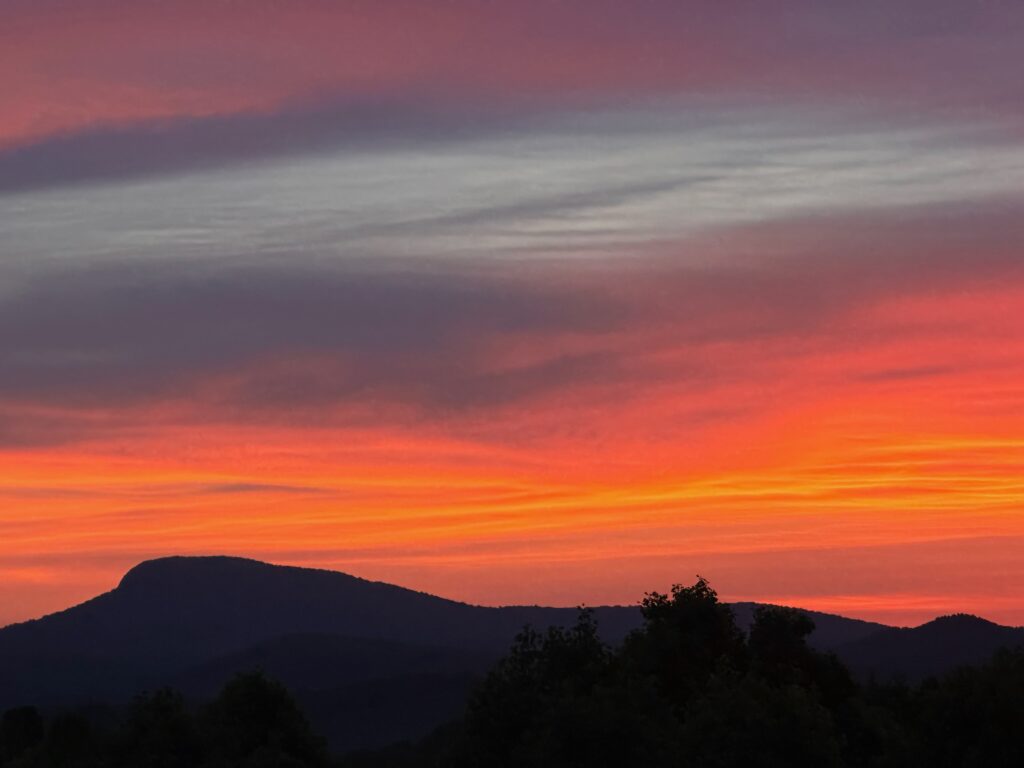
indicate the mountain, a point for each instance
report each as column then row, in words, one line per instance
column 346, row 646
column 930, row 649
column 831, row 632
column 167, row 615
column 371, row 662
column 322, row 662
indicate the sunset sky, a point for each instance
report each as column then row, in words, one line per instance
column 546, row 301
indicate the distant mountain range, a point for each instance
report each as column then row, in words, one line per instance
column 371, row 662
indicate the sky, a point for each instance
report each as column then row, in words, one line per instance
column 554, row 301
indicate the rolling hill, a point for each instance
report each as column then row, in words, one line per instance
column 930, row 649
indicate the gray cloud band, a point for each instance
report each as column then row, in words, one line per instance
column 292, row 340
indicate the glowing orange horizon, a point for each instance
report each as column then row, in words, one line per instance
column 840, row 492
column 808, row 392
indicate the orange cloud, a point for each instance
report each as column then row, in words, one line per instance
column 847, row 454
column 824, row 410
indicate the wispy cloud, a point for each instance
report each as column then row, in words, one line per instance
column 71, row 68
column 250, row 340
column 688, row 283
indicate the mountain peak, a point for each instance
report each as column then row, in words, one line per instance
column 953, row 619
column 179, row 570
column 961, row 623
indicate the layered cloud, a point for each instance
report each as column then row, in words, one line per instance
column 260, row 335
column 543, row 302
column 121, row 88
column 778, row 395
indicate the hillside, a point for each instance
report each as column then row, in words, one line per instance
column 930, row 649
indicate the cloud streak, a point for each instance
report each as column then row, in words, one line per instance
column 553, row 299
column 446, row 338
column 103, row 93
column 178, row 145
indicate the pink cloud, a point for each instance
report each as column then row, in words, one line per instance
column 70, row 67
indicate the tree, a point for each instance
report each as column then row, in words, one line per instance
column 743, row 720
column 779, row 652
column 255, row 722
column 21, row 729
column 159, row 733
column 519, row 714
column 686, row 637
column 70, row 742
column 560, row 699
column 973, row 717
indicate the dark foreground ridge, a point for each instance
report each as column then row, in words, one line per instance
column 687, row 687
column 370, row 663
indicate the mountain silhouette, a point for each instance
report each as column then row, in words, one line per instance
column 930, row 649
column 831, row 632
column 339, row 641
column 371, row 662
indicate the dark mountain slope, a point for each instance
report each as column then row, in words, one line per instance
column 930, row 649
column 360, row 692
column 193, row 621
column 170, row 615
column 371, row 662
column 831, row 632
column 322, row 662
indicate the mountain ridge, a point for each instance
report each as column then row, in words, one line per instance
column 193, row 622
column 930, row 649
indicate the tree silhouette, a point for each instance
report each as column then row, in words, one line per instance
column 744, row 720
column 71, row 742
column 685, row 689
column 973, row 717
column 255, row 722
column 687, row 636
column 21, row 730
column 159, row 733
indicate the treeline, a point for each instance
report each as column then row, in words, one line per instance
column 254, row 722
column 688, row 689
